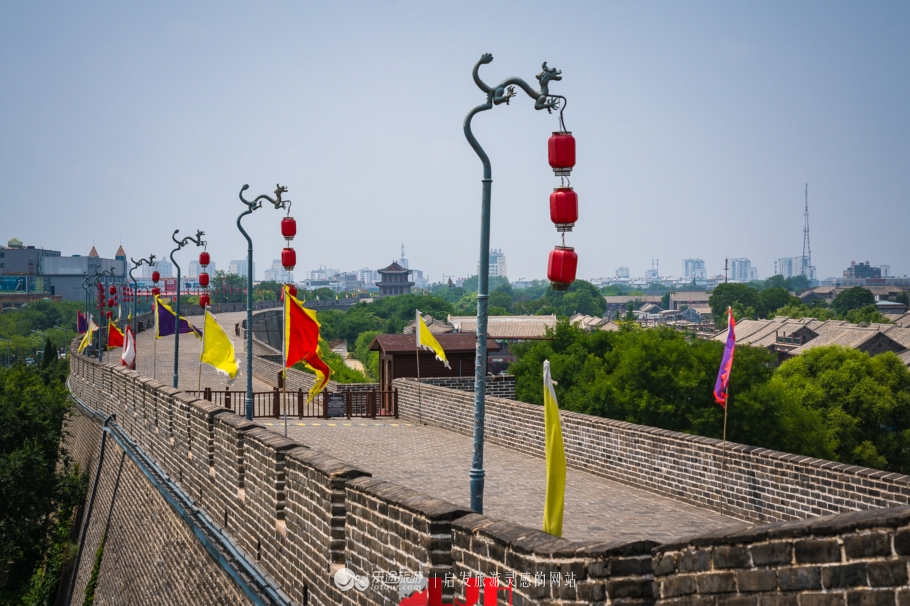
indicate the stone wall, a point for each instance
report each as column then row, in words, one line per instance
column 497, row 386
column 761, row 485
column 857, row 559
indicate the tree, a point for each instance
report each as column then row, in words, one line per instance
column 868, row 314
column 852, row 298
column 725, row 295
column 903, row 297
column 772, row 299
column 50, row 353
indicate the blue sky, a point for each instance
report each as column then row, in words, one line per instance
column 698, row 126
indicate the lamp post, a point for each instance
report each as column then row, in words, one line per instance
column 277, row 202
column 501, row 93
column 98, row 279
column 180, row 244
column 136, row 264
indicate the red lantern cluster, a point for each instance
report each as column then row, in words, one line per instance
column 563, row 261
column 288, row 254
column 204, row 298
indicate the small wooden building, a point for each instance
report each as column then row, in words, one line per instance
column 398, row 356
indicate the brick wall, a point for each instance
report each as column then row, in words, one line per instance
column 761, row 485
column 857, row 559
column 497, row 386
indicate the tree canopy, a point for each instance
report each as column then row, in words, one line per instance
column 852, row 298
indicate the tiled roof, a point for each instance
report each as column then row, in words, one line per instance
column 508, row 327
column 587, row 322
column 464, row 342
column 394, row 267
column 685, row 296
column 623, row 299
column 120, row 252
column 437, row 327
column 93, row 252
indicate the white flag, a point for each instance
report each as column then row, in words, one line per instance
column 128, row 357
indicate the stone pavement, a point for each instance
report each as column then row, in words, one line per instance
column 436, row 462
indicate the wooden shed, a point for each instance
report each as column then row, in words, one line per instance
column 398, row 356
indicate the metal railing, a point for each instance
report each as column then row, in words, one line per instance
column 368, row 404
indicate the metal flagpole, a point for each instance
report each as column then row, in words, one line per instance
column 284, row 358
column 417, row 349
column 204, row 311
column 723, row 459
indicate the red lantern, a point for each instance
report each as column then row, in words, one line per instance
column 156, row 291
column 561, row 150
column 564, row 208
column 288, row 228
column 561, row 267
column 156, row 276
column 204, row 300
column 110, row 302
column 203, row 279
column 109, row 315
column 292, row 289
column 288, row 258
column 204, row 259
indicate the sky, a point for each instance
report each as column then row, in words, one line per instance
column 698, row 126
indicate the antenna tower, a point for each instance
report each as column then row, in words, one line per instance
column 807, row 250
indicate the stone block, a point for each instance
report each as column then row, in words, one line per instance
column 770, row 554
column 749, row 581
column 870, row 597
column 817, row 551
column 731, row 557
column 849, row 575
column 677, row 586
column 629, row 588
column 799, row 579
column 778, row 599
column 737, row 600
column 867, row 545
column 892, row 573
column 716, row 582
column 696, row 560
column 821, row 599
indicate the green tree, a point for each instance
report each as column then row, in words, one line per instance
column 868, row 314
column 903, row 297
column 863, row 401
column 852, row 298
column 801, row 310
column 370, row 359
column 501, row 298
column 725, row 295
column 772, row 299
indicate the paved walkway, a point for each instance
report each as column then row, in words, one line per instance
column 436, row 462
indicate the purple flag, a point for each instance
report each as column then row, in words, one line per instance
column 726, row 363
column 165, row 321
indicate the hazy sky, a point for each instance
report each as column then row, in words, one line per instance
column 698, row 126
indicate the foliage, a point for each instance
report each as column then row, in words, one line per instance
column 804, row 311
column 387, row 315
column 227, row 288
column 267, row 291
column 370, row 359
column 36, row 477
column 795, row 284
column 92, row 585
column 852, row 298
column 495, row 282
column 869, row 314
column 658, row 377
column 748, row 302
column 903, row 297
column 863, row 401
column 43, row 586
column 341, row 372
column 56, row 319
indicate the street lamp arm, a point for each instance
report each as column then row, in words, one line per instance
column 277, row 202
column 505, row 90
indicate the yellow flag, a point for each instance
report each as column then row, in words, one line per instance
column 87, row 339
column 556, row 458
column 426, row 340
column 217, row 348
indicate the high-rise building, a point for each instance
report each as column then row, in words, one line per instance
column 694, row 269
column 622, row 272
column 195, row 269
column 162, row 266
column 324, row 273
column 240, row 268
column 862, row 270
column 497, row 263
column 278, row 274
column 368, row 276
column 741, row 270
column 885, row 269
column 789, row 267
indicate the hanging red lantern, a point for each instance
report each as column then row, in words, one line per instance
column 204, row 300
column 109, row 314
column 288, row 258
column 110, row 302
column 561, row 150
column 204, row 259
column 292, row 289
column 156, row 291
column 288, row 228
column 203, row 279
column 564, row 208
column 156, row 276
column 561, row 267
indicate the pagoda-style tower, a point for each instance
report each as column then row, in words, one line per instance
column 395, row 280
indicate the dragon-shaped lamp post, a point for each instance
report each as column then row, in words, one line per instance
column 98, row 278
column 198, row 241
column 135, row 295
column 501, row 93
column 277, row 202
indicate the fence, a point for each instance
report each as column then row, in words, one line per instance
column 370, row 404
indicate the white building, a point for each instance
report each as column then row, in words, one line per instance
column 323, row 273
column 163, row 267
column 196, row 269
column 368, row 276
column 278, row 274
column 886, row 270
column 497, row 263
column 694, row 269
column 622, row 272
column 240, row 268
column 789, row 267
column 741, row 270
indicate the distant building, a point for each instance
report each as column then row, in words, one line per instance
column 741, row 270
column 368, row 276
column 886, row 270
column 790, row 267
column 419, row 280
column 195, row 269
column 323, row 273
column 395, row 280
column 278, row 274
column 497, row 263
column 862, row 270
column 239, row 268
column 162, row 266
column 694, row 269
column 622, row 272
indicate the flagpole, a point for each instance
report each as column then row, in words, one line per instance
column 723, row 459
column 417, row 349
column 204, row 311
column 284, row 358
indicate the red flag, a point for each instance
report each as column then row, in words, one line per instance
column 301, row 341
column 114, row 336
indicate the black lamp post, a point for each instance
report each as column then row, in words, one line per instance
column 180, row 244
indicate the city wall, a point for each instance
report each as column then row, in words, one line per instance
column 297, row 515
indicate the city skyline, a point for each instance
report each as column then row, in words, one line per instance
column 698, row 127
